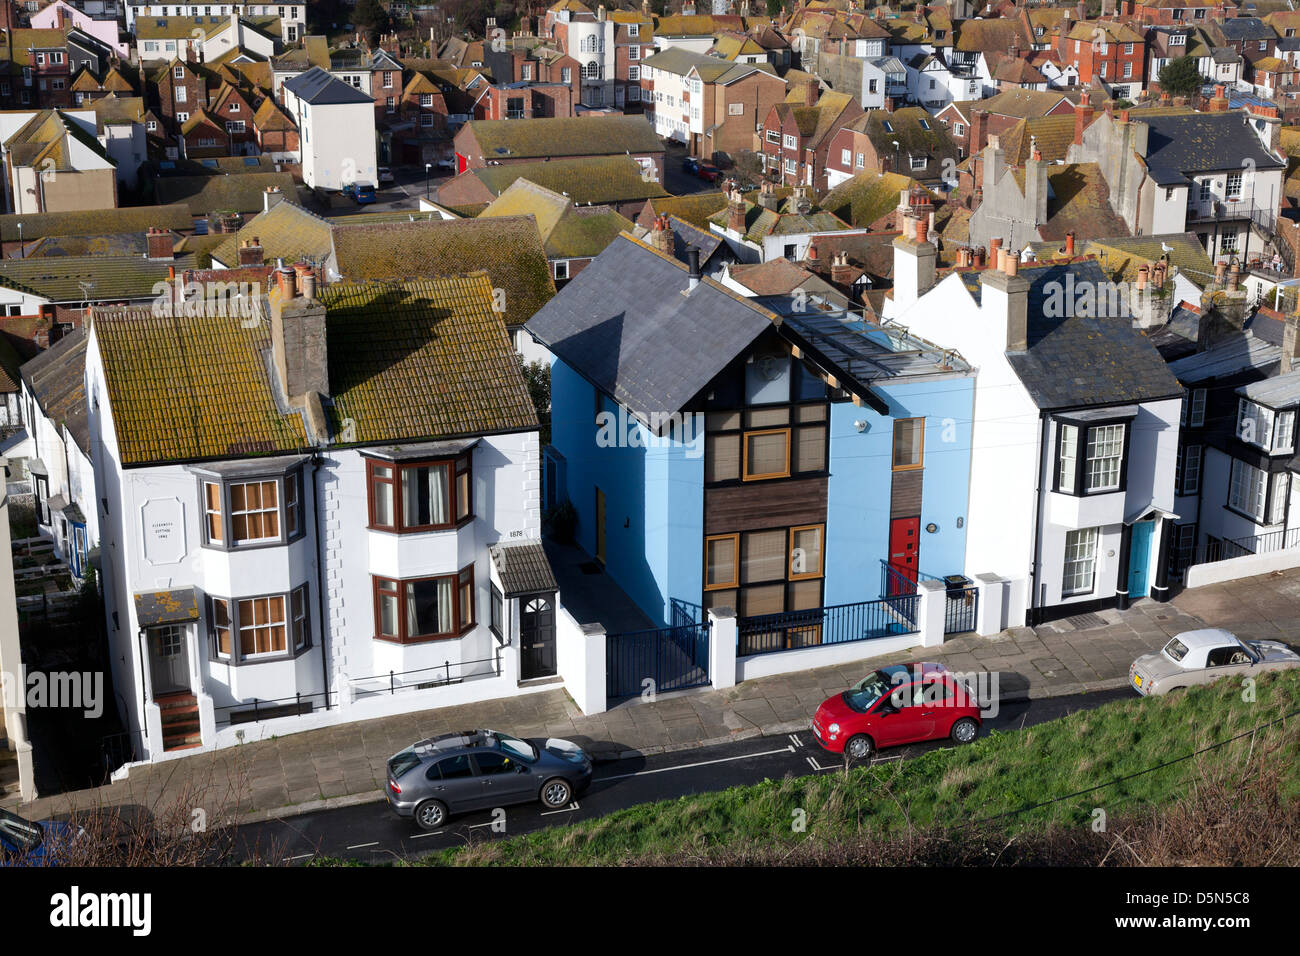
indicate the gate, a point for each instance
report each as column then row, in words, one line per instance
column 673, row 657
column 961, row 604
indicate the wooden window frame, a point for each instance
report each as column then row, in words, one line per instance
column 234, row 654
column 821, row 553
column 920, row 458
column 459, row 627
column 225, row 513
column 744, row 454
column 456, row 466
column 735, row 563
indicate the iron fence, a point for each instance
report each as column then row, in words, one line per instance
column 674, row 658
column 251, row 711
column 396, row 681
column 1223, row 549
column 837, row 624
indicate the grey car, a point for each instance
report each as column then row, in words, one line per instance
column 1204, row 656
column 482, row 769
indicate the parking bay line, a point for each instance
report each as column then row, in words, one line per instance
column 362, row 846
column 702, row 763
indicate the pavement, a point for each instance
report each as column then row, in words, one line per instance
column 345, row 765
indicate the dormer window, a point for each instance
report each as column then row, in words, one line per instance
column 1261, row 426
column 1177, row 39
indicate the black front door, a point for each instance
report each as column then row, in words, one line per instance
column 537, row 636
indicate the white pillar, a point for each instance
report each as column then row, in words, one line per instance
column 594, row 701
column 931, row 599
column 992, row 591
column 722, row 647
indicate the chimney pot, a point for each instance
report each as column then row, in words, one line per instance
column 1069, row 244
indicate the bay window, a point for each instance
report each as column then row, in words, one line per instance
column 416, row 610
column 251, row 511
column 1090, row 459
column 264, row 627
column 419, row 495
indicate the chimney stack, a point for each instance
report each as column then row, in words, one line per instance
column 1069, row 244
column 1290, row 344
column 159, row 243
column 298, row 348
column 250, row 253
column 661, row 235
column 914, row 262
column 841, row 271
column 271, row 197
column 736, row 213
column 1005, row 298
column 693, row 270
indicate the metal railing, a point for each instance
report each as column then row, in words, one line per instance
column 836, row 624
column 1218, row 549
column 395, row 681
column 674, row 658
column 251, row 711
column 121, row 748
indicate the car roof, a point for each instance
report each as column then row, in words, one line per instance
column 1206, row 637
column 924, row 668
column 463, row 739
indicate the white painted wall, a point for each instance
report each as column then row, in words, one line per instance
column 337, row 142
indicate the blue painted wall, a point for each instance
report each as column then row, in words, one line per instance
column 654, row 498
column 857, row 535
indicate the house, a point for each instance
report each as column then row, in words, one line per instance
column 233, row 112
column 182, row 88
column 871, row 200
column 934, row 82
column 772, row 228
column 907, row 141
column 60, row 15
column 797, row 135
column 971, row 122
column 735, row 442
column 275, row 133
column 572, row 235
column 1206, row 173
column 52, row 163
column 290, row 18
column 1071, row 487
column 616, row 181
column 336, row 135
column 484, row 143
column 40, row 73
column 58, row 452
column 1174, row 12
column 277, row 539
column 202, row 135
column 1106, row 51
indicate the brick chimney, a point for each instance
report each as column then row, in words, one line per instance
column 250, row 253
column 271, row 197
column 1219, row 102
column 736, row 213
column 661, row 235
column 298, row 348
column 841, row 271
column 1082, row 118
column 159, row 243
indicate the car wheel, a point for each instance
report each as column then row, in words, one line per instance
column 557, row 793
column 964, row 731
column 858, row 747
column 430, row 814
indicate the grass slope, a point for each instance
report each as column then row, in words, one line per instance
column 1002, row 773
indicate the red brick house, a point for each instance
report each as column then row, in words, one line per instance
column 182, row 91
column 1176, row 12
column 231, row 108
column 275, row 131
column 1105, row 50
column 796, row 137
column 204, row 136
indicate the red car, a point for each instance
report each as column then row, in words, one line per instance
column 708, row 172
column 899, row 704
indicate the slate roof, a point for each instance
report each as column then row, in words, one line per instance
column 509, row 249
column 623, row 324
column 208, row 194
column 523, row 568
column 321, row 88
column 407, row 362
column 1202, row 142
column 1082, row 361
column 57, row 381
column 1280, row 391
column 565, row 136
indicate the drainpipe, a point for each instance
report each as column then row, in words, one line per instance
column 320, row 572
column 1038, row 524
column 144, row 692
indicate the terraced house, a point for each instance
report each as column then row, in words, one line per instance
column 306, row 519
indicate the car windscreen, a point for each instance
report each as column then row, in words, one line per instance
column 867, row 691
column 20, row 833
column 520, row 749
column 402, row 763
column 1176, row 650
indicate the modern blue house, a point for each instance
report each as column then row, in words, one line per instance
column 725, row 451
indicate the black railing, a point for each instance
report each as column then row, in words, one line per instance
column 121, row 748
column 837, row 624
column 1221, row 549
column 672, row 658
column 251, row 711
column 961, row 605
column 440, row 676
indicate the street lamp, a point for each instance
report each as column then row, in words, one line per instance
column 428, row 167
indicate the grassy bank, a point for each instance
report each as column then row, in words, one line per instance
column 970, row 804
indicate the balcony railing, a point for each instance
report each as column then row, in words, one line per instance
column 1230, row 211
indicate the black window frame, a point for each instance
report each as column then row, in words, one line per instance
column 1084, row 426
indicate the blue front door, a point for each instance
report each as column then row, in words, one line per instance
column 1139, row 558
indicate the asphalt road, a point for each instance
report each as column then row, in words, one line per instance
column 372, row 833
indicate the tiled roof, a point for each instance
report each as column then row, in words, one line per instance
column 1076, row 361
column 286, row 230
column 1122, row 256
column 76, row 279
column 907, row 131
column 695, row 208
column 523, row 567
column 422, row 360
column 96, row 222
column 1052, row 136
column 1021, row 103
column 775, row 277
column 979, row 36
column 208, row 194
column 592, row 179
column 866, row 197
column 567, row 231
column 57, row 380
column 509, row 249
column 1080, row 203
column 567, row 136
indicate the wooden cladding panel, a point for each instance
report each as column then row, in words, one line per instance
column 765, row 504
column 905, row 495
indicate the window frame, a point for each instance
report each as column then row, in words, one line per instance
column 1066, row 561
column 920, row 455
column 1083, row 432
column 451, row 463
column 1263, row 517
column 746, row 434
column 224, row 483
column 792, row 575
column 235, row 657
column 734, row 537
column 459, row 627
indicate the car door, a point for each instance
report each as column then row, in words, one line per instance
column 901, row 726
column 502, row 780
column 453, row 781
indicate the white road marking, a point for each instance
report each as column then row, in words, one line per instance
column 794, row 739
column 300, row 856
column 569, row 809
column 421, row 836
column 362, row 846
column 702, row 763
column 475, row 826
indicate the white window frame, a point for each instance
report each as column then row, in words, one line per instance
column 1079, row 565
column 1248, row 490
column 1110, row 440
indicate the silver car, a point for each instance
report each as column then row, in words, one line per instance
column 482, row 769
column 1203, row 656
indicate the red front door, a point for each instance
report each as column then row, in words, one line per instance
column 904, row 544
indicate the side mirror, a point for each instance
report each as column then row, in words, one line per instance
column 521, row 768
column 885, row 709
